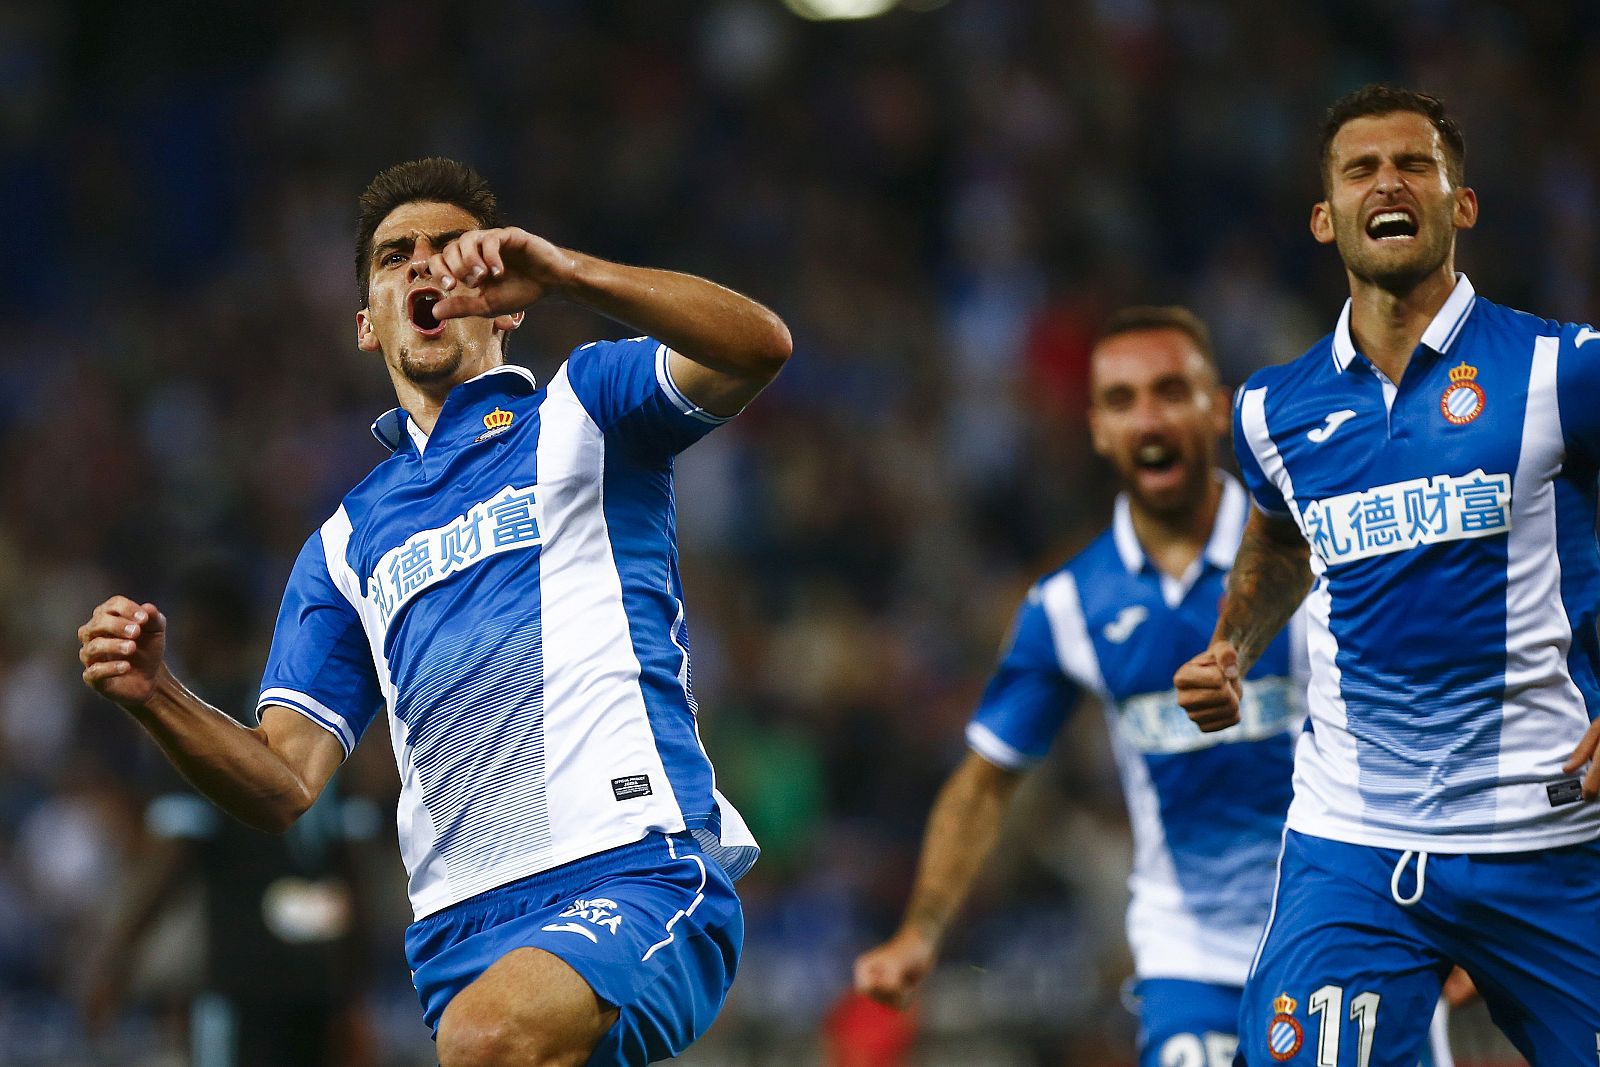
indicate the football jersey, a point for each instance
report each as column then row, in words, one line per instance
column 1207, row 810
column 507, row 588
column 1451, row 521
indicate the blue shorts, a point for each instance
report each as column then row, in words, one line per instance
column 1347, row 974
column 1186, row 1024
column 654, row 927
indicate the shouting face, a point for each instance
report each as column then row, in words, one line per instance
column 398, row 319
column 1157, row 413
column 1392, row 207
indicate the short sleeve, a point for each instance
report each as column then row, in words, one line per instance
column 1249, row 432
column 320, row 664
column 1027, row 699
column 1577, row 387
column 627, row 388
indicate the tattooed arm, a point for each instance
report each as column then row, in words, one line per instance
column 1271, row 576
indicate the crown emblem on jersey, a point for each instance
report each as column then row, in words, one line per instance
column 1463, row 398
column 499, row 418
column 1285, row 1004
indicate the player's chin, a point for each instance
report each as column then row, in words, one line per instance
column 430, row 362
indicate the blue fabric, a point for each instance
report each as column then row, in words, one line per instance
column 1525, row 926
column 1186, row 1024
column 667, row 964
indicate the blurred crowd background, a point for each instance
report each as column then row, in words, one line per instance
column 944, row 203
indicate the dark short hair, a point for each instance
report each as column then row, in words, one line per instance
column 434, row 179
column 1372, row 100
column 1152, row 317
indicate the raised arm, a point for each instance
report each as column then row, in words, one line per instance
column 266, row 777
column 725, row 347
column 962, row 831
column 1271, row 576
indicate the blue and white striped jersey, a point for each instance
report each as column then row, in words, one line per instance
column 1451, row 519
column 507, row 587
column 1207, row 809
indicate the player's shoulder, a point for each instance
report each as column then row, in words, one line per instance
column 1083, row 570
column 1506, row 329
column 592, row 357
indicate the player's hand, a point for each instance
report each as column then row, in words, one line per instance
column 508, row 268
column 1585, row 753
column 1209, row 687
column 122, row 647
column 891, row 972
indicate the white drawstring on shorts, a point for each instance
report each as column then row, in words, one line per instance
column 1422, row 877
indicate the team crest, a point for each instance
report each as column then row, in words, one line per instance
column 1284, row 1032
column 498, row 422
column 1463, row 398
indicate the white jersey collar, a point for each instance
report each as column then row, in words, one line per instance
column 1439, row 336
column 389, row 426
column 1226, row 529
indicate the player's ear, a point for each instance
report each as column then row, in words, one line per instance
column 507, row 323
column 1222, row 410
column 1322, row 223
column 1466, row 208
column 366, row 336
column 1098, row 438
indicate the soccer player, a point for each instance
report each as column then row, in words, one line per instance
column 1431, row 466
column 506, row 585
column 1113, row 622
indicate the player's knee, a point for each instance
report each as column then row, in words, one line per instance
column 476, row 1040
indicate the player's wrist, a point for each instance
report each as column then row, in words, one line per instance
column 166, row 692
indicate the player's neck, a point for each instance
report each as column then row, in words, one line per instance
column 423, row 401
column 1173, row 541
column 1388, row 324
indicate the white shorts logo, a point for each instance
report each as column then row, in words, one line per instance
column 597, row 912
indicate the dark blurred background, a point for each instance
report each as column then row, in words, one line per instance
column 944, row 202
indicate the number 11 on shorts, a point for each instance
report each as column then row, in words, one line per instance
column 1328, row 1002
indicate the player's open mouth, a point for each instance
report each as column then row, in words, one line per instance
column 1392, row 225
column 1156, row 457
column 419, row 305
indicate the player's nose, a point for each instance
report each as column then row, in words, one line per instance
column 418, row 267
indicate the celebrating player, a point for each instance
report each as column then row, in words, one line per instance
column 1434, row 459
column 506, row 584
column 1113, row 622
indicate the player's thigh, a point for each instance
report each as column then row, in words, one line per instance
column 1528, row 932
column 1345, row 976
column 529, row 1007
column 1186, row 1024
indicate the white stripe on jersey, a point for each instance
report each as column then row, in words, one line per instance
column 591, row 673
column 1074, row 648
column 1538, row 633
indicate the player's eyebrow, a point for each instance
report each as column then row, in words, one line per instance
column 406, row 242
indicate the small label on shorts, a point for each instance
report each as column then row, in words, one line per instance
column 1567, row 792
column 638, row 785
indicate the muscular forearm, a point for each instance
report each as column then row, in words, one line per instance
column 1271, row 576
column 962, row 831
column 701, row 320
column 230, row 764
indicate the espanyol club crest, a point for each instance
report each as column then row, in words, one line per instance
column 1463, row 398
column 1284, row 1032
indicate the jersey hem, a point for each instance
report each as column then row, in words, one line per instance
column 432, row 903
column 1524, row 840
column 1186, row 974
